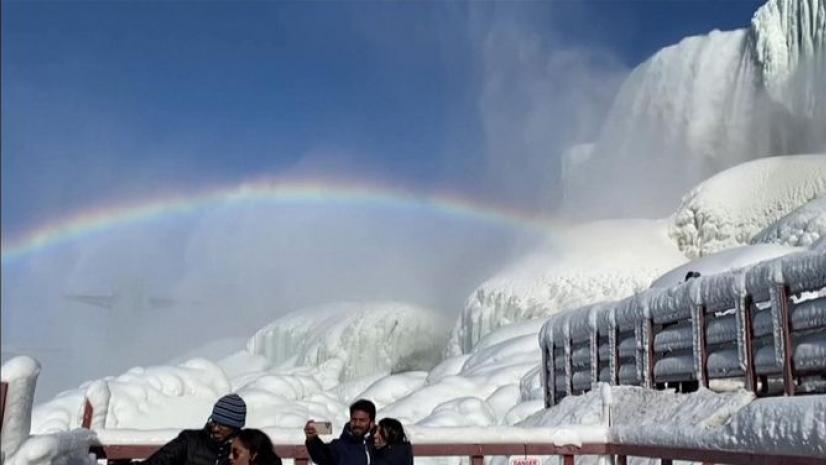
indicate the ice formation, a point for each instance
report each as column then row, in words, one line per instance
column 733, row 206
column 587, row 263
column 400, row 337
column 802, row 227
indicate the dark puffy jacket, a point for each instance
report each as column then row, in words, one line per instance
column 397, row 454
column 346, row 450
column 192, row 447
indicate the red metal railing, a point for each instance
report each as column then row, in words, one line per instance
column 477, row 452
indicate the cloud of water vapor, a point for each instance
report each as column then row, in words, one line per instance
column 229, row 271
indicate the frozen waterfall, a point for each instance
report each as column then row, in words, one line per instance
column 708, row 103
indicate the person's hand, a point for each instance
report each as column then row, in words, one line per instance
column 309, row 430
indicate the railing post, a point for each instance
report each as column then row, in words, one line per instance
column 550, row 380
column 648, row 361
column 782, row 293
column 4, row 387
column 86, row 422
column 665, row 462
column 568, row 459
column 594, row 342
column 477, row 459
column 745, row 327
column 613, row 347
column 698, row 323
column 569, row 368
column 622, row 460
column 301, row 456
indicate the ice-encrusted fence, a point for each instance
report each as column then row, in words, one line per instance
column 763, row 323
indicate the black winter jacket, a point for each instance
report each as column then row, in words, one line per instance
column 346, row 450
column 397, row 454
column 192, row 447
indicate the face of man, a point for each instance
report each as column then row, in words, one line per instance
column 219, row 432
column 360, row 423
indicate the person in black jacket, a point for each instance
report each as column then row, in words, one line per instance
column 392, row 446
column 209, row 445
column 353, row 447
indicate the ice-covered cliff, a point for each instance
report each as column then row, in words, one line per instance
column 705, row 104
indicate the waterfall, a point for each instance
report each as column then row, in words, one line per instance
column 703, row 105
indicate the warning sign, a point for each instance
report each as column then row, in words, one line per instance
column 524, row 460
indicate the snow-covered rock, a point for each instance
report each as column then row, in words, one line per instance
column 605, row 260
column 731, row 207
column 800, row 228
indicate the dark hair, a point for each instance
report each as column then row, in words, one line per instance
column 260, row 447
column 364, row 405
column 392, row 430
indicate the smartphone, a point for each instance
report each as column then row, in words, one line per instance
column 323, row 427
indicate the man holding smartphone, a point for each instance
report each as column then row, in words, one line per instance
column 353, row 447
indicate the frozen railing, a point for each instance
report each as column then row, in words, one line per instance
column 763, row 323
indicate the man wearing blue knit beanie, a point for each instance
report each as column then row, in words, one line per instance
column 209, row 445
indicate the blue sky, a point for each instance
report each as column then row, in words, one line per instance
column 112, row 101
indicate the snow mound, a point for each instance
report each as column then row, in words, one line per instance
column 186, row 392
column 605, row 260
column 354, row 340
column 731, row 207
column 801, row 228
column 63, row 448
column 726, row 260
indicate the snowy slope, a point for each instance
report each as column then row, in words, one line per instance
column 584, row 264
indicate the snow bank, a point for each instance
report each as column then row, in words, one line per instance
column 726, row 260
column 703, row 419
column 729, row 421
column 178, row 396
column 605, row 260
column 730, row 208
column 366, row 338
column 64, row 448
column 802, row 227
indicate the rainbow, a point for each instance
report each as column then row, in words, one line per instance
column 305, row 191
